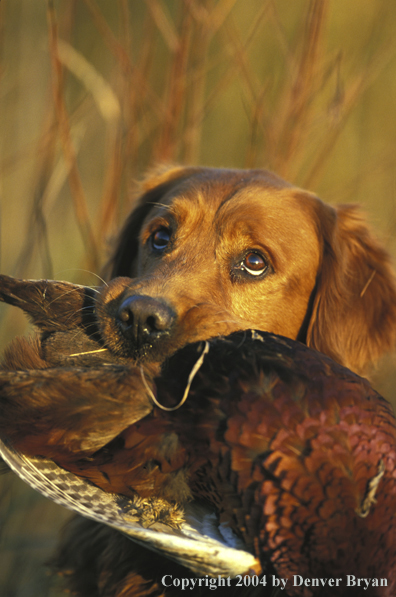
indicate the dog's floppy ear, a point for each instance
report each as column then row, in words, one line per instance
column 156, row 184
column 353, row 317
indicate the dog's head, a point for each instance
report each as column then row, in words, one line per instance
column 212, row 251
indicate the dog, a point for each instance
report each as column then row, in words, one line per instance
column 207, row 252
column 214, row 251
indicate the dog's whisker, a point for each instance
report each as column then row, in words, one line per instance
column 206, row 305
column 91, row 334
column 61, row 296
column 86, row 271
column 232, row 322
column 71, row 316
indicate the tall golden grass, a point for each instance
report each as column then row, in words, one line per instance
column 94, row 92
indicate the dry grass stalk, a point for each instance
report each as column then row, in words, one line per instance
column 78, row 195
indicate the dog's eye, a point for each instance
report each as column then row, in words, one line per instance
column 254, row 264
column 160, row 239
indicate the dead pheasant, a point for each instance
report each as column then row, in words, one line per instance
column 291, row 457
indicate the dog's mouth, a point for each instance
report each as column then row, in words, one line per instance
column 135, row 328
column 136, row 325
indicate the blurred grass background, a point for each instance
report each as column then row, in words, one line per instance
column 93, row 92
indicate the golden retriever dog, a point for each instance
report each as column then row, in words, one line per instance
column 212, row 251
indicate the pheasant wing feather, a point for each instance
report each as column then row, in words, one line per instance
column 197, row 544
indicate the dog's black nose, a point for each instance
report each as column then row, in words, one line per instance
column 143, row 320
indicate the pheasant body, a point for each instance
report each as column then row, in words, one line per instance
column 294, row 453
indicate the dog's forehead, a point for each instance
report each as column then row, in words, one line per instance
column 213, row 186
column 277, row 211
column 242, row 194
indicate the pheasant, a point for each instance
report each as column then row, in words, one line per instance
column 249, row 459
